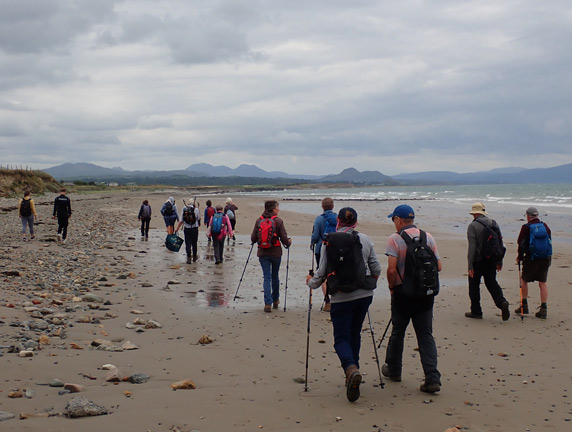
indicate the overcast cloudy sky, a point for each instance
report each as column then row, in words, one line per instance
column 302, row 86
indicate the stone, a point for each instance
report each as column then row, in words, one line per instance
column 29, row 393
column 15, row 394
column 92, row 298
column 74, row 388
column 183, row 385
column 138, row 378
column 56, row 383
column 114, row 375
column 5, row 415
column 152, row 324
column 26, row 354
column 82, row 407
column 205, row 340
column 128, row 345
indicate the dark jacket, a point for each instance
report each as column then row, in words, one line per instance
column 274, row 251
column 62, row 207
column 475, row 234
column 524, row 236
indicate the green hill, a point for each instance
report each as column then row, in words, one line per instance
column 13, row 182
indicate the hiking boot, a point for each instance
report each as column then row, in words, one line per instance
column 430, row 387
column 59, row 237
column 505, row 313
column 195, row 258
column 353, row 380
column 275, row 304
column 542, row 313
column 189, row 260
column 472, row 315
column 387, row 374
column 267, row 308
column 32, row 237
column 522, row 309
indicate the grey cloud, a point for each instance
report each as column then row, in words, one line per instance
column 29, row 26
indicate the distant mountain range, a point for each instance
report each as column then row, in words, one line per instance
column 250, row 174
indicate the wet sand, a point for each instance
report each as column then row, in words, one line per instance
column 496, row 376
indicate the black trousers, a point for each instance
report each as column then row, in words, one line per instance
column 191, row 238
column 420, row 313
column 488, row 271
column 63, row 226
column 145, row 227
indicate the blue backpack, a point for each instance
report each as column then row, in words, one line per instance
column 216, row 226
column 331, row 223
column 539, row 242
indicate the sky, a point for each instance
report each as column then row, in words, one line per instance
column 305, row 87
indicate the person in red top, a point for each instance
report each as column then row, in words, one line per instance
column 270, row 257
column 532, row 269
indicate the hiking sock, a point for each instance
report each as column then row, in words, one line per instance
column 525, row 301
column 544, row 306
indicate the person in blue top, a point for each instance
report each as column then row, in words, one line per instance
column 323, row 224
column 170, row 215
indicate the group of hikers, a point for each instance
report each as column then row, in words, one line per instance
column 347, row 270
column 28, row 216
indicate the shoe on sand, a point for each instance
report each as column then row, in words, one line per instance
column 386, row 373
column 524, row 308
column 267, row 308
column 430, row 387
column 472, row 315
column 504, row 311
column 353, row 381
column 542, row 313
column 275, row 304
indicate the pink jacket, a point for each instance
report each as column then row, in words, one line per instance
column 226, row 229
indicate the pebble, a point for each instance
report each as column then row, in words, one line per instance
column 138, row 378
column 74, row 388
column 82, row 407
column 5, row 415
column 56, row 383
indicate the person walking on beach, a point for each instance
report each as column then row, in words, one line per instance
column 484, row 257
column 323, row 224
column 145, row 218
column 350, row 268
column 230, row 209
column 209, row 212
column 62, row 209
column 27, row 213
column 219, row 229
column 535, row 253
column 269, row 233
column 405, row 305
column 170, row 215
column 191, row 221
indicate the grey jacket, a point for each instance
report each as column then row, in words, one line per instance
column 475, row 232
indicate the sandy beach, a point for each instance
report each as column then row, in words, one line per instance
column 496, row 376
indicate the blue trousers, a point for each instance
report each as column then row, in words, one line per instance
column 420, row 313
column 347, row 319
column 270, row 271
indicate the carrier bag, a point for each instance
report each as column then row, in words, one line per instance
column 173, row 242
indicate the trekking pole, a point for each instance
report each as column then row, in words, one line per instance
column 308, row 331
column 384, row 333
column 240, row 281
column 375, row 350
column 286, row 285
column 521, row 302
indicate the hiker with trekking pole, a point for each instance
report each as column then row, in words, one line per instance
column 413, row 267
column 350, row 268
column 270, row 234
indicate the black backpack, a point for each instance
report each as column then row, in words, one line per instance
column 168, row 210
column 189, row 216
column 25, row 208
column 345, row 270
column 492, row 247
column 421, row 277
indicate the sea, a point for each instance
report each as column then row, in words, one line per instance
column 506, row 203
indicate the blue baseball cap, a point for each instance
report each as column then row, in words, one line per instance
column 403, row 211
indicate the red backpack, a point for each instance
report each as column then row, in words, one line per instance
column 267, row 236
